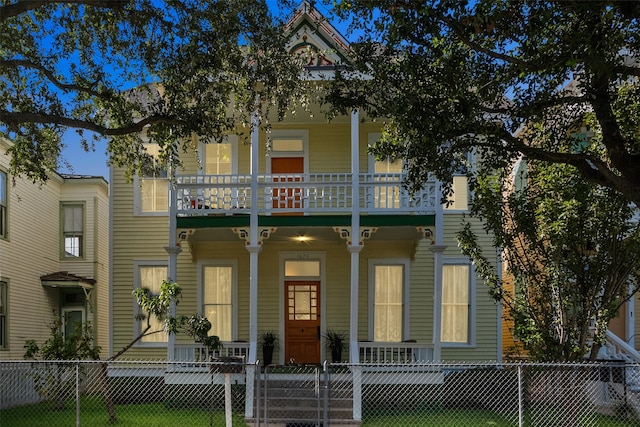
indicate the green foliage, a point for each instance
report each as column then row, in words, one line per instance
column 111, row 69
column 335, row 340
column 198, row 327
column 56, row 382
column 489, row 75
column 79, row 345
column 159, row 305
column 268, row 339
column 571, row 249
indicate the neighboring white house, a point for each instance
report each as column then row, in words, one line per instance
column 54, row 261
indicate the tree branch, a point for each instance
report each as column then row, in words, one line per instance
column 15, row 118
column 15, row 9
column 62, row 86
column 478, row 48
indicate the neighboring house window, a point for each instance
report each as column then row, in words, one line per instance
column 73, row 230
column 218, row 299
column 150, row 276
column 4, row 330
column 456, row 304
column 3, row 205
column 153, row 186
column 389, row 297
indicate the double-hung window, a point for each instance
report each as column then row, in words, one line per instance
column 3, row 205
column 220, row 163
column 73, row 230
column 153, row 192
column 456, row 304
column 388, row 300
column 4, row 330
column 459, row 199
column 150, row 275
column 218, row 298
column 387, row 190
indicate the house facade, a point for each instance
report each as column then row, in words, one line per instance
column 301, row 232
column 54, row 259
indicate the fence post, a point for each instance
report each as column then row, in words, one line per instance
column 77, row 394
column 520, row 398
column 266, row 402
column 256, row 387
column 326, row 395
column 357, row 391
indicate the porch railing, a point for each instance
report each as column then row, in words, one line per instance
column 308, row 193
column 395, row 352
column 192, row 354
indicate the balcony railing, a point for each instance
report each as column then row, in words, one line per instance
column 307, row 194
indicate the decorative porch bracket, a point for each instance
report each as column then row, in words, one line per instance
column 263, row 234
column 428, row 234
column 365, row 234
column 183, row 236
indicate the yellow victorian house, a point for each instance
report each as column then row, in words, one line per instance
column 301, row 232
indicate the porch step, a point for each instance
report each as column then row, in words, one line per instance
column 301, row 403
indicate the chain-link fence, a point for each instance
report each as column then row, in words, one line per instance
column 132, row 393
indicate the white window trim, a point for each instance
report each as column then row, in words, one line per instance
column 5, row 236
column 229, row 139
column 406, row 309
column 137, row 193
column 302, row 134
column 83, row 245
column 136, row 284
column 233, row 263
column 137, row 200
column 471, row 158
column 471, row 343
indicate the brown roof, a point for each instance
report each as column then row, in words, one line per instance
column 65, row 276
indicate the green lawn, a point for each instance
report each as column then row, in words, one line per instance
column 93, row 413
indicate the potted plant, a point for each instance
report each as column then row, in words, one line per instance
column 268, row 341
column 336, row 342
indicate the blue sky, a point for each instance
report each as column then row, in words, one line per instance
column 81, row 162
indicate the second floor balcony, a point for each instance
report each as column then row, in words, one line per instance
column 302, row 194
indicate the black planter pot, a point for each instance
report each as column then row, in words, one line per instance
column 336, row 355
column 267, row 355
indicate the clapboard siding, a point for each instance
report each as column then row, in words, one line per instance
column 34, row 249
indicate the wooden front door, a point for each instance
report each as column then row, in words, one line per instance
column 302, row 322
column 287, row 198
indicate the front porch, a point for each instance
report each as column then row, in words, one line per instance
column 193, row 355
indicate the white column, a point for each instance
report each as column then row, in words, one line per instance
column 354, row 352
column 254, row 245
column 438, row 248
column 355, row 248
column 254, row 249
column 173, row 250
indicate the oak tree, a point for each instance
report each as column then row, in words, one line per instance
column 122, row 69
column 508, row 78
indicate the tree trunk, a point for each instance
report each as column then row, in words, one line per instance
column 108, row 396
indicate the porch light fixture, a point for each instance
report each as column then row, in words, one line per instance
column 302, row 239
